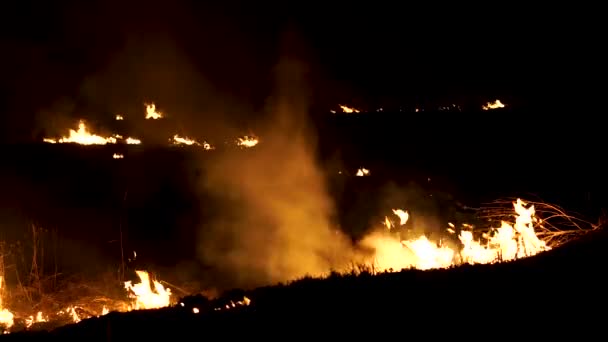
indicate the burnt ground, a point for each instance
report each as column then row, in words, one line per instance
column 554, row 293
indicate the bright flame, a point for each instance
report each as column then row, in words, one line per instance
column 151, row 112
column 403, row 216
column 118, row 156
column 493, row 105
column 247, row 141
column 362, row 172
column 506, row 243
column 6, row 317
column 145, row 296
column 346, row 109
column 82, row 136
column 133, row 141
column 119, row 117
column 178, row 140
column 38, row 319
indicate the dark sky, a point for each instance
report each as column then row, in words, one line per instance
column 115, row 54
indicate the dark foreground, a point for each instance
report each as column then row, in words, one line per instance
column 548, row 295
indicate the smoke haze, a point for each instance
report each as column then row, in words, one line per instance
column 275, row 218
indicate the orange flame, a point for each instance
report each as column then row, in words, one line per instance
column 152, row 113
column 493, row 105
column 509, row 242
column 83, row 137
column 147, row 297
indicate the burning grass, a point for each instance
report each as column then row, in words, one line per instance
column 554, row 226
column 517, row 230
column 36, row 299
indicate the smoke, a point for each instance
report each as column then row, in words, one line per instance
column 274, row 220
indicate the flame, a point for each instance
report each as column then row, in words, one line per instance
column 179, row 140
column 37, row 319
column 346, row 109
column 151, row 112
column 247, row 141
column 493, row 105
column 362, row 172
column 6, row 317
column 509, row 242
column 145, row 296
column 119, row 117
column 82, row 136
column 244, row 302
column 118, row 156
column 403, row 216
column 132, row 141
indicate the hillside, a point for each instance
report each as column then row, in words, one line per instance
column 559, row 285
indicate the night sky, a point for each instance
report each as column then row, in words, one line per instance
column 111, row 55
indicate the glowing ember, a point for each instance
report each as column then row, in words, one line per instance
column 83, row 137
column 245, row 302
column 118, row 156
column 151, row 112
column 493, row 105
column 119, row 118
column 506, row 243
column 247, row 141
column 147, row 297
column 346, row 109
column 362, row 172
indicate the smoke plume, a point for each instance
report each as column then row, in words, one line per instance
column 274, row 223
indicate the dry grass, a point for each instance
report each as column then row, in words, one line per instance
column 554, row 225
column 32, row 288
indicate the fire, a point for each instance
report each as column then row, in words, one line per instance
column 143, row 295
column 346, row 109
column 118, row 156
column 132, row 141
column 179, row 140
column 509, row 242
column 119, row 117
column 232, row 304
column 403, row 215
column 151, row 112
column 147, row 297
column 37, row 319
column 362, row 172
column 493, row 105
column 83, row 137
column 247, row 141
column 6, row 317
